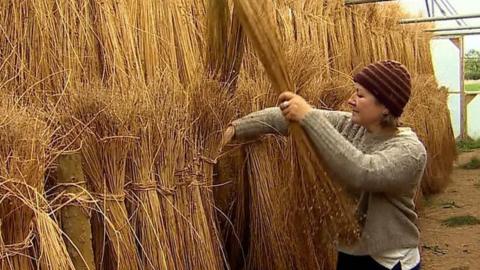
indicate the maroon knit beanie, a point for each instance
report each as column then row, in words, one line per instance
column 389, row 82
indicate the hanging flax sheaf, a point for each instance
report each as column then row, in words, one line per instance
column 183, row 174
column 148, row 218
column 440, row 145
column 224, row 56
column 30, row 238
column 224, row 46
column 324, row 205
column 171, row 151
column 97, row 121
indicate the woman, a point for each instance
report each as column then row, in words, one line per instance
column 368, row 152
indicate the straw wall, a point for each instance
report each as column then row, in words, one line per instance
column 143, row 90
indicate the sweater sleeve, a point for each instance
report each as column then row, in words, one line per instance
column 271, row 121
column 336, row 118
column 267, row 121
column 396, row 169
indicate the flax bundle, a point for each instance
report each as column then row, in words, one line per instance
column 322, row 74
column 428, row 100
column 172, row 150
column 339, row 222
column 30, row 237
column 184, row 175
column 185, row 57
column 148, row 219
column 97, row 121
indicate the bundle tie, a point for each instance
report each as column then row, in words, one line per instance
column 16, row 249
column 110, row 197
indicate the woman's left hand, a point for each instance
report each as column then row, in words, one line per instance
column 293, row 106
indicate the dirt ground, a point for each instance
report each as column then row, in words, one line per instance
column 452, row 248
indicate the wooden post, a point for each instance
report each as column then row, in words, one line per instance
column 463, row 104
column 75, row 220
column 459, row 42
column 469, row 97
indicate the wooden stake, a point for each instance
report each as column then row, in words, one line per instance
column 75, row 220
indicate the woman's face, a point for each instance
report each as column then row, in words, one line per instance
column 366, row 110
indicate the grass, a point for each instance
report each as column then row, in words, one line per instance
column 473, row 164
column 449, row 205
column 468, row 145
column 460, row 221
column 472, row 87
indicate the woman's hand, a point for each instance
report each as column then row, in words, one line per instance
column 227, row 136
column 293, row 106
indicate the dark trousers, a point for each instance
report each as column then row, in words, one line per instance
column 350, row 262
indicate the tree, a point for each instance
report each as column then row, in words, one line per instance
column 472, row 65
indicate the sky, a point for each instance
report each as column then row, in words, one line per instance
column 446, row 60
column 462, row 7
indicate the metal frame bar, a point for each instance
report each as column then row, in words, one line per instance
column 453, row 29
column 442, row 18
column 454, row 11
column 428, row 8
column 457, row 34
column 358, row 2
column 448, row 9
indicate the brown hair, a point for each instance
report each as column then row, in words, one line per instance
column 389, row 121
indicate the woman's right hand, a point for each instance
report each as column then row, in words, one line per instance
column 227, row 136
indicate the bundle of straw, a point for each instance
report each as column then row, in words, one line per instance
column 339, row 221
column 437, row 135
column 184, row 173
column 30, row 237
column 192, row 72
column 148, row 218
column 165, row 168
column 211, row 114
column 98, row 122
column 322, row 74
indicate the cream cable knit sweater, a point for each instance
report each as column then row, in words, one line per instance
column 385, row 170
